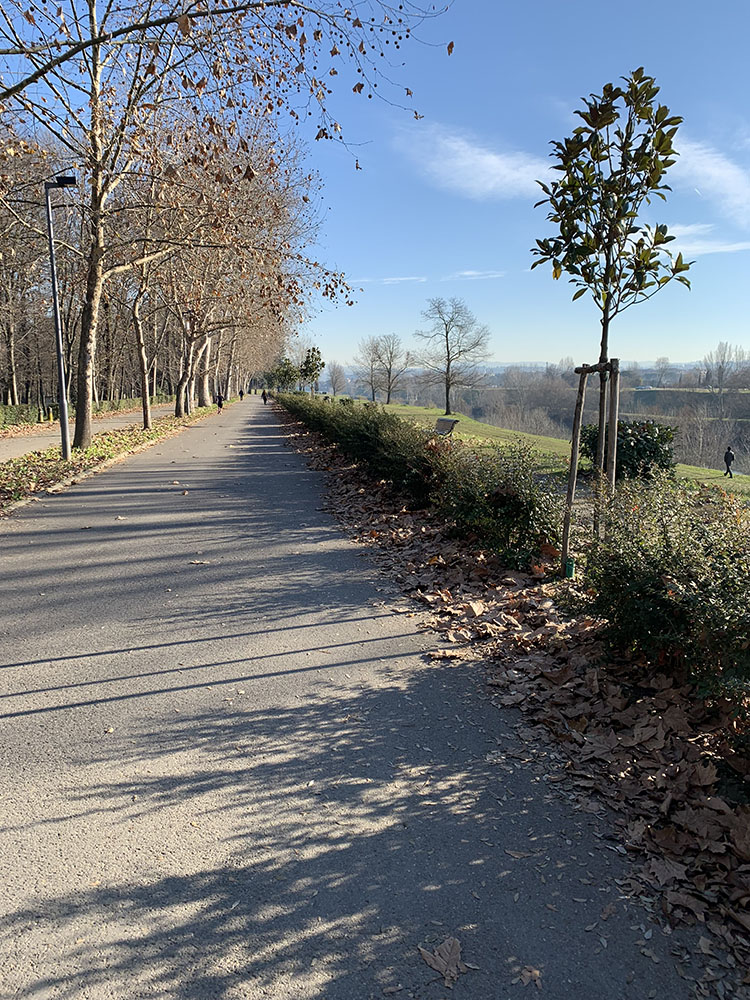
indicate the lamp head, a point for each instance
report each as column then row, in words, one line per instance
column 63, row 181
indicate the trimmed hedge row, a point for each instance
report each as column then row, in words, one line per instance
column 18, row 413
column 493, row 495
column 672, row 576
column 27, row 413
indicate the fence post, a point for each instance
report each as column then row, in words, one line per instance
column 614, row 408
column 573, row 472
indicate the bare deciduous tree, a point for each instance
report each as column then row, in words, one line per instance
column 663, row 369
column 392, row 363
column 721, row 365
column 100, row 77
column 366, row 370
column 336, row 377
column 455, row 346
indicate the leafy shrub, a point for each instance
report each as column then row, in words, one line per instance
column 493, row 494
column 672, row 578
column 390, row 448
column 20, row 413
column 497, row 495
column 643, row 446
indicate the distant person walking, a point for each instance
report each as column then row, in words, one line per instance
column 219, row 401
column 728, row 459
column 242, row 393
column 264, row 397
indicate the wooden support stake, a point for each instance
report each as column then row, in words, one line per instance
column 614, row 408
column 573, row 473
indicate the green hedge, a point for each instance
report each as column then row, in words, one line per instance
column 26, row 413
column 643, row 447
column 672, row 578
column 493, row 495
column 20, row 413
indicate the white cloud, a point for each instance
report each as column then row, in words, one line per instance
column 717, row 178
column 696, row 241
column 474, row 275
column 457, row 162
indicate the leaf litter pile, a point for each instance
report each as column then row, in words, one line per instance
column 629, row 738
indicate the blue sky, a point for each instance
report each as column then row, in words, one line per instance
column 443, row 206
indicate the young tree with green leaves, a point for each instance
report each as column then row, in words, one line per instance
column 607, row 171
column 283, row 377
column 311, row 368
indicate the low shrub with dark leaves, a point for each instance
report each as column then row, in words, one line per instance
column 493, row 494
column 672, row 578
column 643, row 447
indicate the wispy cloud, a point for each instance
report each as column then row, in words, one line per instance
column 715, row 177
column 474, row 275
column 697, row 241
column 388, row 281
column 457, row 162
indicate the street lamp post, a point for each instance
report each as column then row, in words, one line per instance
column 59, row 182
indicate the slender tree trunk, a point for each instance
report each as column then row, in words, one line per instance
column 217, row 368
column 599, row 462
column 603, row 358
column 142, row 359
column 181, row 403
column 228, row 380
column 202, row 365
column 10, row 344
column 95, row 275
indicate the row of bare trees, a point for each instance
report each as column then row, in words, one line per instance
column 200, row 277
column 193, row 225
column 453, row 346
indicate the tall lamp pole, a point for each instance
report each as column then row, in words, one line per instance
column 64, row 181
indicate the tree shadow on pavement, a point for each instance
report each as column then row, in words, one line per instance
column 349, row 830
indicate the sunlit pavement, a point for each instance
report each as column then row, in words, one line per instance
column 227, row 771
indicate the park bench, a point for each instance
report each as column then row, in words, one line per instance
column 444, row 426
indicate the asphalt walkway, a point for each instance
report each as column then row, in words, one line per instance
column 227, row 770
column 42, row 436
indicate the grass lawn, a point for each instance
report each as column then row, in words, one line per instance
column 557, row 449
column 473, row 430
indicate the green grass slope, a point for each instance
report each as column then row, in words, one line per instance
column 557, row 450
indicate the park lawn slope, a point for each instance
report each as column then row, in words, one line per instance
column 474, row 431
column 557, row 449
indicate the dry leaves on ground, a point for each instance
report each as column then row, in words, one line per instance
column 446, row 960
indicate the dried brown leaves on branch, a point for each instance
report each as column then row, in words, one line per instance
column 630, row 739
column 115, row 87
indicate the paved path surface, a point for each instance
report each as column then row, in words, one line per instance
column 40, row 437
column 227, row 771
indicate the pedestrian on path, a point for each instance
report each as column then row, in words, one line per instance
column 728, row 459
column 219, row 401
column 264, row 397
column 242, row 394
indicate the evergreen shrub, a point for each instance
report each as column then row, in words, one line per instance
column 643, row 447
column 672, row 577
column 492, row 494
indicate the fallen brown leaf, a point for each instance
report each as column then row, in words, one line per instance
column 446, row 960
